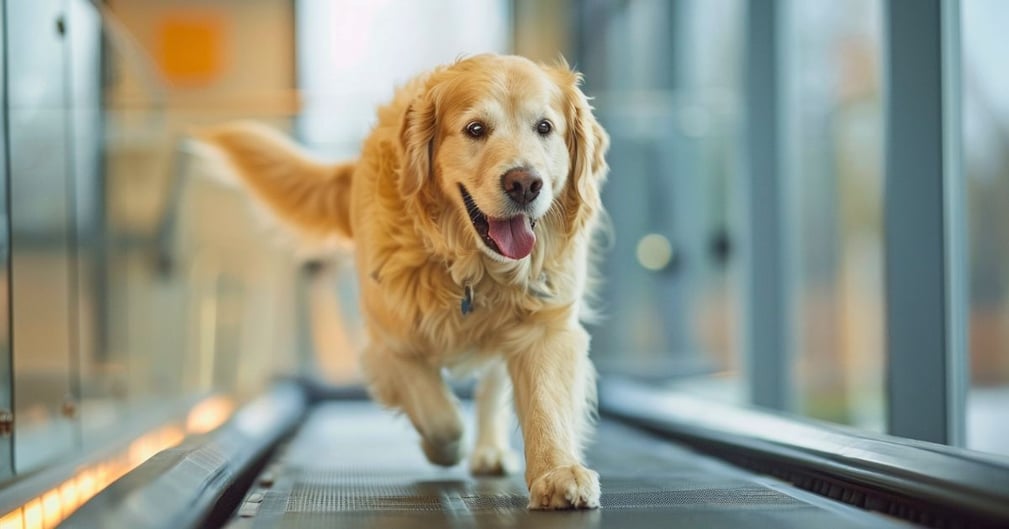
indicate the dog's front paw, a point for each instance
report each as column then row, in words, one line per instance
column 493, row 461
column 445, row 452
column 441, row 437
column 573, row 487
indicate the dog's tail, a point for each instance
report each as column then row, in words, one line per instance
column 311, row 196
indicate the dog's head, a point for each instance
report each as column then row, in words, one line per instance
column 509, row 142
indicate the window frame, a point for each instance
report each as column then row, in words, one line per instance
column 923, row 207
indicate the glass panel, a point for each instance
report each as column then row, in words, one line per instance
column 139, row 285
column 100, row 400
column 985, row 106
column 43, row 289
column 6, row 373
column 834, row 185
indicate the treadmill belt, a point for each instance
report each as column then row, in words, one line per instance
column 352, row 464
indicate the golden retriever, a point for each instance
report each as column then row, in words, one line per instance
column 471, row 210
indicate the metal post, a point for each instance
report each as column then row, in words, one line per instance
column 924, row 340
column 766, row 309
column 955, row 217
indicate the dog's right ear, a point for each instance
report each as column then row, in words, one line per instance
column 416, row 136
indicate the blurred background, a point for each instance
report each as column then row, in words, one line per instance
column 138, row 280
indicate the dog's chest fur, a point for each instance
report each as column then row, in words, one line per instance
column 419, row 306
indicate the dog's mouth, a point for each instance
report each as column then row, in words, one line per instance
column 512, row 237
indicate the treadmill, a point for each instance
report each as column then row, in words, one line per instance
column 308, row 456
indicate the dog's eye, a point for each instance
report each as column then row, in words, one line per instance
column 476, row 129
column 544, row 127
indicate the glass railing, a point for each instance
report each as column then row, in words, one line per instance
column 140, row 282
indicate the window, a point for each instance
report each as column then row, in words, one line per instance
column 985, row 107
column 833, row 222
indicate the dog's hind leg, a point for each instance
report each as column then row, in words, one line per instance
column 408, row 383
column 492, row 454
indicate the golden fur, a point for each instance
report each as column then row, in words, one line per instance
column 417, row 251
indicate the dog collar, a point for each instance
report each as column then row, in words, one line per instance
column 466, row 306
column 542, row 289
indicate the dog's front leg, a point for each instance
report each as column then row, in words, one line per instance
column 554, row 387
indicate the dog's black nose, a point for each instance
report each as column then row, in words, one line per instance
column 522, row 185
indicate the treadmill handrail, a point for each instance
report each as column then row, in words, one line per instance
column 923, row 482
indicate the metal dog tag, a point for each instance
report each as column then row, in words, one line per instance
column 467, row 301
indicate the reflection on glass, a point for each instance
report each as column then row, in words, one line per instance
column 833, row 222
column 985, row 106
column 198, row 297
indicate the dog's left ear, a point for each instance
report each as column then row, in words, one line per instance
column 587, row 142
column 416, row 135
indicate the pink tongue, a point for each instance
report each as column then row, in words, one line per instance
column 514, row 236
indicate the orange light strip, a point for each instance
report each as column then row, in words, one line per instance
column 53, row 506
column 209, row 414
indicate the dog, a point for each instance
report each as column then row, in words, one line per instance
column 472, row 210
